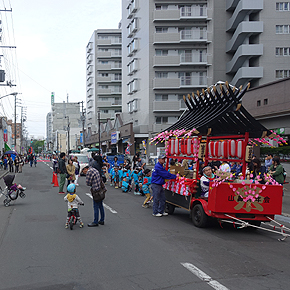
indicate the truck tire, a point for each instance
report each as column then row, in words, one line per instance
column 199, row 217
column 169, row 208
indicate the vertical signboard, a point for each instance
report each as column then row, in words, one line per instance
column 52, row 98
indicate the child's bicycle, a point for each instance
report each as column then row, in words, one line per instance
column 73, row 218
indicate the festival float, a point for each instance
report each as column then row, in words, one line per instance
column 216, row 127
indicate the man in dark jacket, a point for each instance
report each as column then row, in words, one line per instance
column 159, row 175
column 62, row 168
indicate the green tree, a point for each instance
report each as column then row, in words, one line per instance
column 36, row 145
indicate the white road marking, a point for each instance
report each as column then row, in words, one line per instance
column 50, row 168
column 105, row 205
column 204, row 277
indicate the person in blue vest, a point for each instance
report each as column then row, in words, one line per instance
column 159, row 175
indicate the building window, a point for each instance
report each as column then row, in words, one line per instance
column 161, row 75
column 280, row 74
column 282, row 6
column 161, row 52
column 282, row 29
column 161, row 7
column 265, row 102
column 161, row 97
column 161, row 120
column 161, row 29
column 258, row 103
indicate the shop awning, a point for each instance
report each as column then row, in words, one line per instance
column 218, row 111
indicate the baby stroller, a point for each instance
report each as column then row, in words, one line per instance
column 11, row 190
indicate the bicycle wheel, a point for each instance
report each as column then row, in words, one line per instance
column 71, row 222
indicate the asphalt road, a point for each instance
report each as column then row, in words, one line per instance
column 133, row 250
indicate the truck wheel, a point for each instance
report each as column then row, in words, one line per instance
column 169, row 208
column 199, row 217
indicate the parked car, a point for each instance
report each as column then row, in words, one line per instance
column 83, row 160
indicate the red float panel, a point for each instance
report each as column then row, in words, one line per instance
column 246, row 199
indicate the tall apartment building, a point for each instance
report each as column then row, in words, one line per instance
column 104, row 66
column 173, row 48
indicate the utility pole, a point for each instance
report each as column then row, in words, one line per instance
column 68, row 132
column 83, row 122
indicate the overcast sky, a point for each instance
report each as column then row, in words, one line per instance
column 50, row 56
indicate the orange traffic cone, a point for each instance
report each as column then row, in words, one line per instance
column 52, row 182
column 55, row 181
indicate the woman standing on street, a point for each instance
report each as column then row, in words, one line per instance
column 70, row 168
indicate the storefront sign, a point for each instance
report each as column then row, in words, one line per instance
column 114, row 137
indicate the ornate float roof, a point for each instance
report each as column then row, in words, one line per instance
column 218, row 110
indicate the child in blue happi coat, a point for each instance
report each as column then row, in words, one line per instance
column 125, row 185
column 111, row 173
column 121, row 173
column 116, row 177
column 145, row 187
column 135, row 176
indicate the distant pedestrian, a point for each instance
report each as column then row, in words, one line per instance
column 31, row 159
column 16, row 162
column 158, row 179
column 21, row 163
column 62, row 170
column 77, row 172
column 70, row 169
column 11, row 163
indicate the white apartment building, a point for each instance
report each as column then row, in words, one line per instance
column 104, row 66
column 173, row 48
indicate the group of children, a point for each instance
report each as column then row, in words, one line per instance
column 125, row 178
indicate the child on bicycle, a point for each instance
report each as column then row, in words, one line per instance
column 73, row 201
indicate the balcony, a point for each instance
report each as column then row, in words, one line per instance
column 190, row 81
column 195, row 13
column 244, row 52
column 179, row 60
column 104, row 91
column 89, row 47
column 162, row 106
column 246, row 74
column 90, row 58
column 104, row 104
column 245, row 29
column 166, row 83
column 103, row 67
column 114, row 41
column 108, row 54
column 181, row 37
column 104, row 79
column 244, row 8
